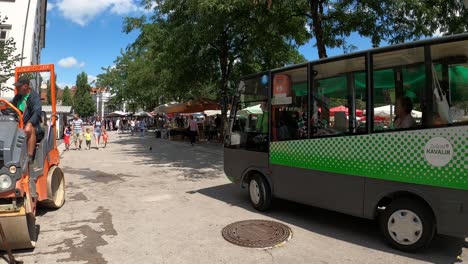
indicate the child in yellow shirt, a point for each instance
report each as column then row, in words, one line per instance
column 88, row 138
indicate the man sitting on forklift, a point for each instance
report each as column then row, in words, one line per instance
column 29, row 103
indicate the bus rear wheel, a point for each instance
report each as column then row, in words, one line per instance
column 408, row 225
column 260, row 193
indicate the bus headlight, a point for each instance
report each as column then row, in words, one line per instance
column 12, row 169
column 5, row 182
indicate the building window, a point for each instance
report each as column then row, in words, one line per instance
column 3, row 36
column 4, row 29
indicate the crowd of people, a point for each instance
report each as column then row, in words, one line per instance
column 77, row 132
column 191, row 126
column 80, row 134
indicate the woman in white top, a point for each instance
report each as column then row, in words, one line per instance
column 403, row 118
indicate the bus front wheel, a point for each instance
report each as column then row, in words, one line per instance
column 408, row 225
column 260, row 193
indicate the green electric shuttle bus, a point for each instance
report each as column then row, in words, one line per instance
column 380, row 134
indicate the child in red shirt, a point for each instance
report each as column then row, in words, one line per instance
column 105, row 137
column 66, row 137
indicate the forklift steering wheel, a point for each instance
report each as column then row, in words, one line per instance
column 10, row 110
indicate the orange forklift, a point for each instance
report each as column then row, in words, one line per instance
column 24, row 183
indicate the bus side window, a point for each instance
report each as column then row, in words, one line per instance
column 458, row 85
column 398, row 89
column 338, row 98
column 450, row 66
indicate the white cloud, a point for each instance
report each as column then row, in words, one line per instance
column 83, row 11
column 91, row 78
column 62, row 85
column 50, row 6
column 45, row 76
column 70, row 62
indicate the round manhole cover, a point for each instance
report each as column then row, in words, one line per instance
column 257, row 233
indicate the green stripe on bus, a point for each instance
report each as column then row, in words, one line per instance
column 398, row 156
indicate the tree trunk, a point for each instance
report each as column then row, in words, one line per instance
column 223, row 60
column 225, row 72
column 316, row 12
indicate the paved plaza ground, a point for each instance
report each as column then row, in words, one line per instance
column 148, row 200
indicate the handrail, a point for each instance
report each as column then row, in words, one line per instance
column 20, row 115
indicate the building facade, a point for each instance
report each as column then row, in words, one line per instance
column 26, row 24
column 101, row 97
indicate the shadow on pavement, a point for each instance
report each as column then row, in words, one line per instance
column 359, row 231
column 202, row 161
column 209, row 159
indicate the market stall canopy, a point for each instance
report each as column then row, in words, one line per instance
column 386, row 110
column 61, row 109
column 343, row 108
column 117, row 114
column 162, row 108
column 193, row 106
column 214, row 112
column 254, row 110
column 376, row 118
column 143, row 114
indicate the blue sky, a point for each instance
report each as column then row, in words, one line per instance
column 86, row 35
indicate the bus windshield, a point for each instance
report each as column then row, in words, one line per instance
column 250, row 119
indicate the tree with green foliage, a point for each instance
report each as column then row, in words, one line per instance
column 83, row 102
column 331, row 22
column 8, row 59
column 203, row 46
column 67, row 98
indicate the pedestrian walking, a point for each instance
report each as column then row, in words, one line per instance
column 218, row 124
column 142, row 126
column 97, row 126
column 192, row 129
column 77, row 128
column 117, row 125
column 88, row 138
column 105, row 137
column 132, row 126
column 66, row 137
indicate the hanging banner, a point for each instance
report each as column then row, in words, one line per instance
column 281, row 85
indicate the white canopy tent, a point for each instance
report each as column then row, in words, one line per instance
column 117, row 114
column 389, row 110
column 143, row 114
column 255, row 110
column 214, row 112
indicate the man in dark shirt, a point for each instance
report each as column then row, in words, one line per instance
column 29, row 102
